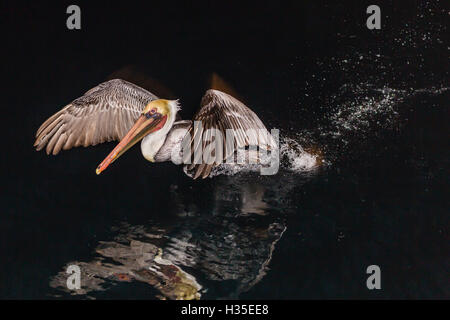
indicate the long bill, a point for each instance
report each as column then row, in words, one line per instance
column 140, row 129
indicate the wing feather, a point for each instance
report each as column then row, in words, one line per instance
column 104, row 113
column 221, row 111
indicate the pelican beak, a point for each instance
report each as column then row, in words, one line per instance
column 143, row 126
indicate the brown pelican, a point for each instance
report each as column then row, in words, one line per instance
column 120, row 110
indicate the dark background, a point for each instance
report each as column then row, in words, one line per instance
column 265, row 50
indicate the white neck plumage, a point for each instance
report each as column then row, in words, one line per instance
column 151, row 143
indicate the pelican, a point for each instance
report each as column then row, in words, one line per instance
column 122, row 111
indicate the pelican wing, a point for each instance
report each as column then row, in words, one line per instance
column 221, row 111
column 104, row 113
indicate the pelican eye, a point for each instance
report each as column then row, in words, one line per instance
column 151, row 113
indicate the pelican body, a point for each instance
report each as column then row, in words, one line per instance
column 120, row 110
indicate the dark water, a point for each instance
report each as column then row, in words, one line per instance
column 363, row 119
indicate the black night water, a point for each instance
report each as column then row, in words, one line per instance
column 363, row 119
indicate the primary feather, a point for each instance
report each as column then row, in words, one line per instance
column 104, row 113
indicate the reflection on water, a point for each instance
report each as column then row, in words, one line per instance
column 220, row 254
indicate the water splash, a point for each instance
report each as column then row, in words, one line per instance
column 361, row 109
column 294, row 157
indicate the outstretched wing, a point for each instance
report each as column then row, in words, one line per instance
column 221, row 111
column 104, row 113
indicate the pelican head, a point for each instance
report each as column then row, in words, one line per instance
column 154, row 123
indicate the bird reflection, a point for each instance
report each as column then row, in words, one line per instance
column 220, row 254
